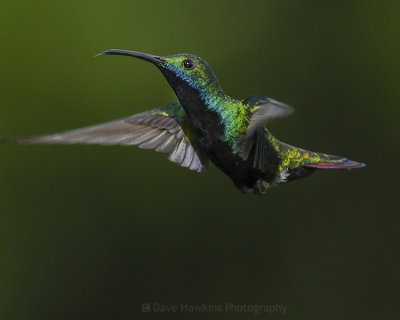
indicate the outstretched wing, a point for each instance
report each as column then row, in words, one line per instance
column 164, row 129
column 263, row 109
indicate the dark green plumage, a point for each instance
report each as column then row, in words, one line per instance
column 206, row 124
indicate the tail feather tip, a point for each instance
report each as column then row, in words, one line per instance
column 343, row 164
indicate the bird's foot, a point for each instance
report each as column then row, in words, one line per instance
column 259, row 187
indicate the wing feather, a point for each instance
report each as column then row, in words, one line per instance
column 178, row 154
column 167, row 145
column 156, row 141
column 188, row 157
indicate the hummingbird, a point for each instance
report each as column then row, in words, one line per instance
column 205, row 124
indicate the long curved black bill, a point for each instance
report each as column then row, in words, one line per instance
column 140, row 55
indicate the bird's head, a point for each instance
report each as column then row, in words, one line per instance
column 191, row 69
column 184, row 72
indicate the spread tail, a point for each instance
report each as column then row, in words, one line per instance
column 293, row 157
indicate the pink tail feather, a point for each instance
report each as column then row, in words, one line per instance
column 337, row 163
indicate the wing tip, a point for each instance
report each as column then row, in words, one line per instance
column 15, row 141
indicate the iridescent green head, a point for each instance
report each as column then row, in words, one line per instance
column 179, row 69
column 192, row 69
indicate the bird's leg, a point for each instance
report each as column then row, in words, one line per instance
column 258, row 187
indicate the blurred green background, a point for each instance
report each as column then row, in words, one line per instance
column 92, row 232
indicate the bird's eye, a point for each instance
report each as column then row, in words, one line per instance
column 188, row 64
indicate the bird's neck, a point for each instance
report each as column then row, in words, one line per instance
column 212, row 112
column 231, row 112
